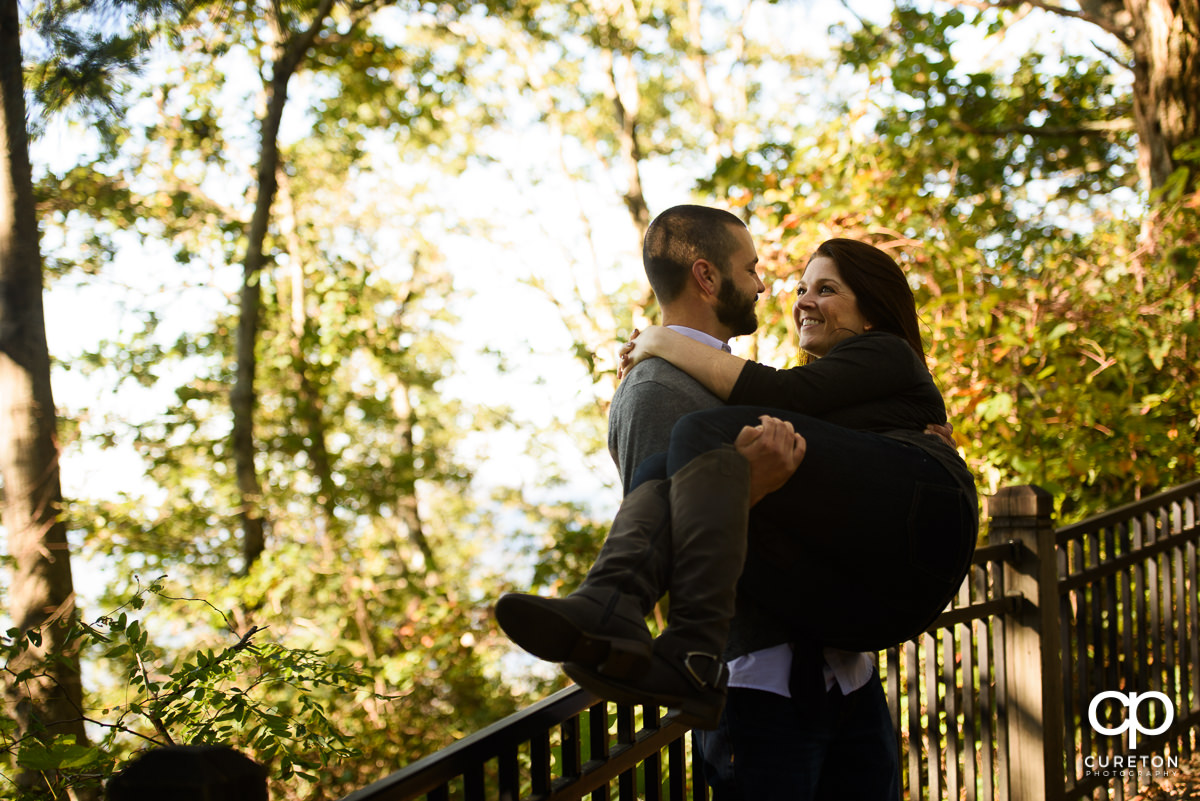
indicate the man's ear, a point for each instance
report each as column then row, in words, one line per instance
column 706, row 276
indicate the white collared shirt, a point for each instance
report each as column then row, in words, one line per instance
column 769, row 669
column 701, row 336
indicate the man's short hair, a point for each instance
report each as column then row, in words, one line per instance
column 680, row 236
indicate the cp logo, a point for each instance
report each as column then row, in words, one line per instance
column 1131, row 701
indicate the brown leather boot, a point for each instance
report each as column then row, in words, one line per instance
column 710, row 505
column 602, row 624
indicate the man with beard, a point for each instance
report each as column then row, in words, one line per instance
column 834, row 738
column 703, row 268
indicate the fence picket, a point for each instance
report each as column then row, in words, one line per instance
column 915, row 740
column 970, row 738
column 1191, row 695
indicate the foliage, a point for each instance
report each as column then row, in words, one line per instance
column 262, row 698
column 376, row 539
column 1067, row 354
column 86, row 52
column 368, row 497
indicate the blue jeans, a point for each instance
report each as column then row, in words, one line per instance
column 772, row 749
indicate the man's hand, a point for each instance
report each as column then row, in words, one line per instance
column 774, row 451
column 945, row 431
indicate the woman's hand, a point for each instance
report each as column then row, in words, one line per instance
column 716, row 370
column 636, row 349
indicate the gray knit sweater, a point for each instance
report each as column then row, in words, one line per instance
column 646, row 407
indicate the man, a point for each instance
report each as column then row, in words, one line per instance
column 835, row 739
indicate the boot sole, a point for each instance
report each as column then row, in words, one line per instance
column 554, row 637
column 692, row 711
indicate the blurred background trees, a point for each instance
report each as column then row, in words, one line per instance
column 334, row 290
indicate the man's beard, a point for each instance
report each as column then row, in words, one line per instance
column 734, row 311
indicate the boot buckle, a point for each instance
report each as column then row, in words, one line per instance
column 716, row 672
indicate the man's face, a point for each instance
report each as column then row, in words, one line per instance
column 740, row 287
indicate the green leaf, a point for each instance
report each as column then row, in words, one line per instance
column 1059, row 331
column 62, row 754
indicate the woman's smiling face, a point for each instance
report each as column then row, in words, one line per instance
column 826, row 311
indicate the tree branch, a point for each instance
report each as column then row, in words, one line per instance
column 359, row 12
column 298, row 46
column 1124, row 62
column 1101, row 13
column 1099, row 126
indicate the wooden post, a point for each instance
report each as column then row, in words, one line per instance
column 190, row 773
column 1023, row 515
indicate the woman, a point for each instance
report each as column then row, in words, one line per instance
column 862, row 546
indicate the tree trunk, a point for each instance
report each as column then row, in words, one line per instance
column 1164, row 37
column 42, row 592
column 1166, row 83
column 243, row 397
column 309, row 404
column 625, row 109
column 407, row 504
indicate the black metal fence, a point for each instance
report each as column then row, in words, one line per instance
column 1128, row 598
column 1034, row 681
column 1068, row 667
column 569, row 746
